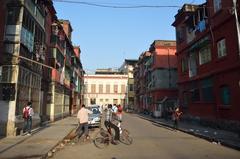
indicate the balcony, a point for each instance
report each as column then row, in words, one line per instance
column 55, row 76
column 55, row 40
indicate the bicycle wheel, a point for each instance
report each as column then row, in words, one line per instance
column 102, row 139
column 125, row 137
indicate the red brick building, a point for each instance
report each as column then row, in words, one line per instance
column 162, row 68
column 156, row 77
column 209, row 60
column 3, row 10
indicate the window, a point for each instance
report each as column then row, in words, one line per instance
column 13, row 15
column 7, row 74
column 131, row 87
column 93, row 101
column 180, row 34
column 204, row 55
column 149, row 100
column 7, row 91
column 153, row 81
column 207, row 90
column 221, row 46
column 217, row 5
column 39, row 34
column 11, row 48
column 27, row 39
column 186, row 99
column 192, row 65
column 115, row 88
column 28, row 21
column 195, row 95
column 184, row 63
column 123, row 89
column 225, row 95
column 107, row 88
column 100, row 88
column 93, row 88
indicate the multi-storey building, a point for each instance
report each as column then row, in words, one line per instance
column 3, row 9
column 76, row 81
column 209, row 60
column 57, row 88
column 21, row 77
column 127, row 68
column 50, row 18
column 156, row 76
column 161, row 68
column 140, row 80
column 105, row 89
column 28, row 63
column 67, row 73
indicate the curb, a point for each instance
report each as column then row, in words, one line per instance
column 210, row 139
column 45, row 155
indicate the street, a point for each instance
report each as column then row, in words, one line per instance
column 150, row 141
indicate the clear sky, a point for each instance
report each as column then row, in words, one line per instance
column 107, row 36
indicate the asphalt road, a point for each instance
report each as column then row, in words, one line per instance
column 151, row 141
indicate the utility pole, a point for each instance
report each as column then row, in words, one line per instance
column 237, row 24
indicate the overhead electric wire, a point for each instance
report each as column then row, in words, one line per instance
column 124, row 6
column 117, row 6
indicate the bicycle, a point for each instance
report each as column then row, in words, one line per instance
column 103, row 138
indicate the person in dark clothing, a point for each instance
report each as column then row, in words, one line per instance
column 176, row 116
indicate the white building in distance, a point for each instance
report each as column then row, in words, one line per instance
column 103, row 89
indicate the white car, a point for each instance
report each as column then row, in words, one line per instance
column 94, row 118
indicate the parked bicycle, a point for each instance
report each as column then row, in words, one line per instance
column 104, row 137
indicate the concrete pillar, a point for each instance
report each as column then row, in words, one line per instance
column 11, row 120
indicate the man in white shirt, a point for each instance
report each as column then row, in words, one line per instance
column 110, row 121
column 83, row 121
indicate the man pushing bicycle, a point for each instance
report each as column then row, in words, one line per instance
column 112, row 122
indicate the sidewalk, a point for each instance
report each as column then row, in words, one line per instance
column 39, row 143
column 217, row 136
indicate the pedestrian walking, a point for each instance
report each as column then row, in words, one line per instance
column 83, row 115
column 119, row 112
column 176, row 116
column 27, row 116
